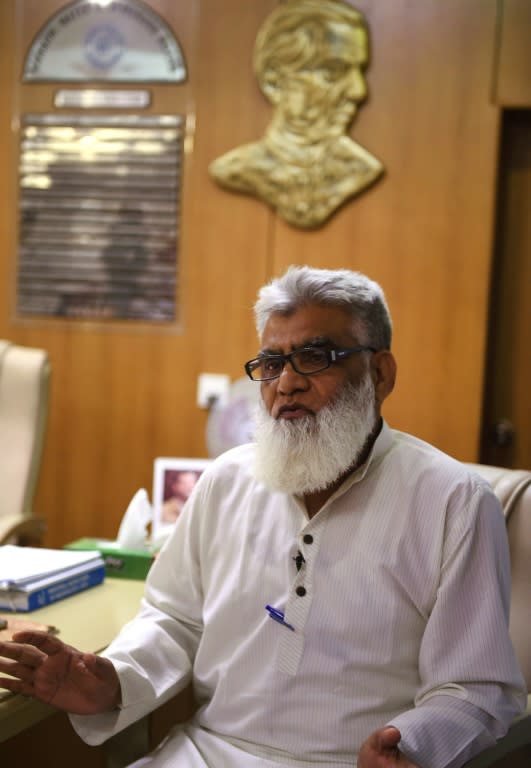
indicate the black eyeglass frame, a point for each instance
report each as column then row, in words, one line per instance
column 332, row 356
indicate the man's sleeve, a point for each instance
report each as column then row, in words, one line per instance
column 470, row 685
column 153, row 654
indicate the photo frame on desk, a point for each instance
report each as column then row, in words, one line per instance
column 173, row 481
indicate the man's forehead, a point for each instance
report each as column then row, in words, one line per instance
column 346, row 42
column 277, row 345
column 311, row 323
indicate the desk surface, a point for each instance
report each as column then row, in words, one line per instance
column 88, row 621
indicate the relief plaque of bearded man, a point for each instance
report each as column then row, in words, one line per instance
column 309, row 59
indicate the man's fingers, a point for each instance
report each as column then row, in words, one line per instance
column 384, row 739
column 388, row 738
column 21, row 662
column 42, row 640
column 381, row 748
column 27, row 655
column 15, row 685
column 16, row 669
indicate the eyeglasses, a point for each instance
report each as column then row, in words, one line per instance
column 305, row 360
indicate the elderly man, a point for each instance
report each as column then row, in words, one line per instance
column 337, row 591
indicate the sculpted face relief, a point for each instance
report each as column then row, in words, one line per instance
column 309, row 59
column 318, row 100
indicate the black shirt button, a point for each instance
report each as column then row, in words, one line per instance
column 308, row 538
column 301, row 591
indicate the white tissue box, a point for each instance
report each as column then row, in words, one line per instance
column 119, row 563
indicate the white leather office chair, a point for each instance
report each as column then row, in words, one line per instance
column 24, row 387
column 513, row 488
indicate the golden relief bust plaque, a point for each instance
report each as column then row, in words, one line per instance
column 309, row 59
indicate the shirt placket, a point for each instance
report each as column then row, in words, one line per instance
column 291, row 645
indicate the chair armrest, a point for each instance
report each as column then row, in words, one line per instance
column 517, row 737
column 138, row 739
column 128, row 745
column 25, row 530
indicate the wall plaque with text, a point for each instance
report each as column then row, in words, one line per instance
column 99, row 211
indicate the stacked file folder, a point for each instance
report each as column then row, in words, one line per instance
column 32, row 577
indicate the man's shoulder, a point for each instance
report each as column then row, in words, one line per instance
column 222, row 484
column 416, row 445
column 236, row 461
column 425, row 457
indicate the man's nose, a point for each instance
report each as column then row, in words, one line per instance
column 357, row 86
column 290, row 380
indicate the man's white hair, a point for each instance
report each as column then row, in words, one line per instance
column 353, row 291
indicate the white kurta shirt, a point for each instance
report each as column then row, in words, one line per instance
column 398, row 615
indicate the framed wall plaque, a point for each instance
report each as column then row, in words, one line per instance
column 115, row 41
column 99, row 206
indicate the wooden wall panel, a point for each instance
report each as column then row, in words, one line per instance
column 513, row 71
column 123, row 394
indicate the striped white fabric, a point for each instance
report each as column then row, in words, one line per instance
column 398, row 615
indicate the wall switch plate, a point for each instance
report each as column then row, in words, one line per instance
column 212, row 388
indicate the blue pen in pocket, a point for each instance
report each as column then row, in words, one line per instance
column 277, row 615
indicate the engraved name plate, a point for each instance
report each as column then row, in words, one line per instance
column 92, row 99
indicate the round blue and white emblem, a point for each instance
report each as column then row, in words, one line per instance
column 104, row 45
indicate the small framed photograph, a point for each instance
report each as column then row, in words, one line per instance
column 173, row 482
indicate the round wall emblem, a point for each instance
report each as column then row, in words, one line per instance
column 104, row 45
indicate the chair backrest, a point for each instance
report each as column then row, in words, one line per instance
column 513, row 488
column 24, row 388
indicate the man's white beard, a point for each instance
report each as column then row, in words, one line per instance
column 305, row 455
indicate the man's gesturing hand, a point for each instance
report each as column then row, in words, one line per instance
column 42, row 666
column 381, row 751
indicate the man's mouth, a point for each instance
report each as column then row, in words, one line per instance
column 294, row 412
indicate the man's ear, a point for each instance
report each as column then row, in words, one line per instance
column 383, row 369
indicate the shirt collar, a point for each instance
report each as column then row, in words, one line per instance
column 381, row 446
